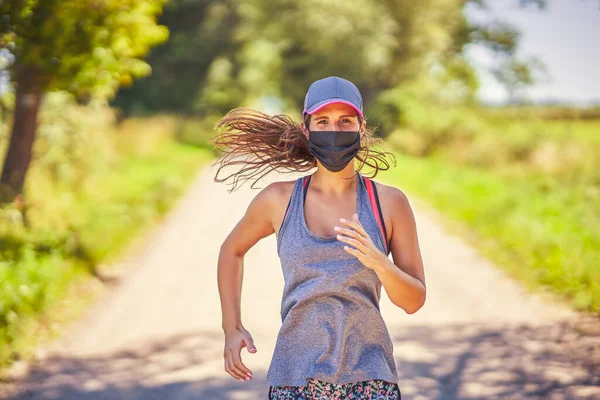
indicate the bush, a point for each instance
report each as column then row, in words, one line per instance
column 91, row 187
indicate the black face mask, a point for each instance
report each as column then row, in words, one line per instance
column 334, row 149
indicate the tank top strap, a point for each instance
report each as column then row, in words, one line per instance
column 305, row 182
column 294, row 202
column 302, row 181
column 376, row 209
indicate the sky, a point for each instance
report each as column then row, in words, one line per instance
column 565, row 37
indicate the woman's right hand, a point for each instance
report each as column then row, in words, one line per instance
column 235, row 340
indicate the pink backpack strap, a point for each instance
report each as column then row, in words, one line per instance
column 375, row 206
column 305, row 180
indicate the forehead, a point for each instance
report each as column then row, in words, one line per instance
column 334, row 110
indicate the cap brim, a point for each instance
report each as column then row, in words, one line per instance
column 316, row 107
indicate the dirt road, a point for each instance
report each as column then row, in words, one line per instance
column 157, row 334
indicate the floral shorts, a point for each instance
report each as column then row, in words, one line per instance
column 320, row 390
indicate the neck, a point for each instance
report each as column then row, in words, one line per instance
column 335, row 183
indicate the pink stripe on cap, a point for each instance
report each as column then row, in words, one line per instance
column 335, row 101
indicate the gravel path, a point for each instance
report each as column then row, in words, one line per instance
column 157, row 335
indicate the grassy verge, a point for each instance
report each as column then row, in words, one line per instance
column 538, row 230
column 134, row 195
column 46, row 267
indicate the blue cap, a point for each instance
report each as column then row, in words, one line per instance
column 332, row 89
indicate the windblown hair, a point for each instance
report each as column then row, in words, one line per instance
column 264, row 143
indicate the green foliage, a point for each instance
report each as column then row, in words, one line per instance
column 539, row 229
column 546, row 113
column 499, row 36
column 32, row 278
column 517, row 74
column 223, row 54
column 93, row 187
column 526, row 183
column 201, row 34
column 471, row 135
column 445, row 89
column 197, row 132
column 228, row 53
column 86, row 47
column 71, row 142
column 502, row 38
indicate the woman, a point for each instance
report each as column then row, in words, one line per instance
column 333, row 242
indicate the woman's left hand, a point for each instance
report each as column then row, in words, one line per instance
column 364, row 249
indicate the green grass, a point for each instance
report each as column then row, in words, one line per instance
column 134, row 195
column 584, row 131
column 45, row 269
column 538, row 230
column 521, row 184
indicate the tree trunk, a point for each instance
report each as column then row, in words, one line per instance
column 18, row 157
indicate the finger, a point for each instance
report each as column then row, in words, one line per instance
column 363, row 238
column 237, row 361
column 229, row 363
column 354, row 252
column 250, row 344
column 354, row 223
column 361, row 228
column 353, row 242
column 348, row 232
column 233, row 367
column 230, row 366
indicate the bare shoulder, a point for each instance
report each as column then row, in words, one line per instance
column 261, row 219
column 391, row 195
column 283, row 188
column 272, row 200
column 281, row 193
column 395, row 205
column 278, row 192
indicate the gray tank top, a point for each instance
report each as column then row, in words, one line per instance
column 332, row 329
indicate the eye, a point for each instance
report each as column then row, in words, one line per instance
column 322, row 120
column 348, row 121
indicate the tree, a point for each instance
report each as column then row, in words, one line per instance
column 223, row 53
column 515, row 75
column 502, row 39
column 226, row 53
column 86, row 47
column 200, row 32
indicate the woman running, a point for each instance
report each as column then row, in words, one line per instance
column 335, row 229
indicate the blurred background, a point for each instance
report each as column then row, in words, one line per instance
column 492, row 110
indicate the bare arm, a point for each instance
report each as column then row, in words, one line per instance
column 404, row 279
column 254, row 225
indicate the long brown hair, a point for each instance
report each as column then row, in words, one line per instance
column 277, row 142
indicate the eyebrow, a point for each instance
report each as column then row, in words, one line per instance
column 324, row 116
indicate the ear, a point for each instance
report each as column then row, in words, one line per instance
column 304, row 129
